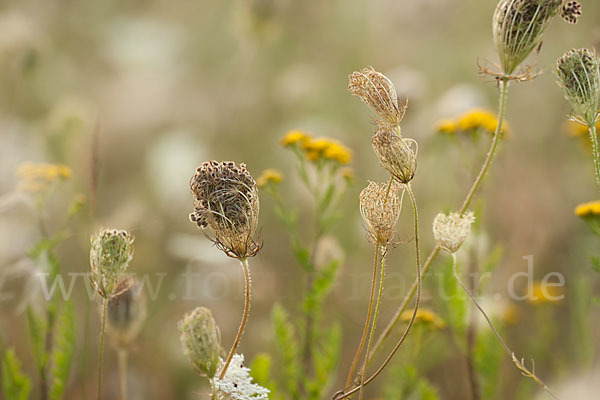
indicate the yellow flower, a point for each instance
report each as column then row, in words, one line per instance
column 338, row 152
column 317, row 145
column 327, row 148
column 269, row 175
column 472, row 120
column 446, row 126
column 36, row 177
column 544, row 293
column 294, row 137
column 590, row 208
column 426, row 316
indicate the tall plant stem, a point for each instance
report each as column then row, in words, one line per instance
column 472, row 336
column 122, row 353
column 101, row 349
column 594, row 137
column 344, row 394
column 374, row 325
column 503, row 88
column 367, row 320
column 519, row 363
column 238, row 337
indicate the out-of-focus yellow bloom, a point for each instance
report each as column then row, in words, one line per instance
column 338, row 152
column 471, row 121
column 295, row 137
column 511, row 314
column 544, row 293
column 36, row 177
column 328, row 149
column 347, row 173
column 577, row 130
column 269, row 175
column 586, row 209
column 426, row 316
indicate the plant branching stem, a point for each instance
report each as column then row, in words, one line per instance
column 101, row 348
column 594, row 137
column 503, row 86
column 238, row 337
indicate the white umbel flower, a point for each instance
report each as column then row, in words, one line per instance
column 451, row 230
column 237, row 383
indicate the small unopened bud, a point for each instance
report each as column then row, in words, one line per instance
column 451, row 230
column 200, row 340
column 110, row 255
column 226, row 200
column 518, row 27
column 578, row 73
column 377, row 91
column 396, row 154
column 380, row 208
column 126, row 312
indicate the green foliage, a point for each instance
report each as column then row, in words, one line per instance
column 261, row 373
column 488, row 356
column 64, row 348
column 321, row 287
column 405, row 383
column 455, row 303
column 287, row 343
column 15, row 385
column 37, row 335
column 326, row 358
column 595, row 263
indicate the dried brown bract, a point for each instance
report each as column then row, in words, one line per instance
column 396, row 154
column 380, row 208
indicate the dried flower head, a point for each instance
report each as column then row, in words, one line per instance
column 226, row 200
column 578, row 73
column 571, row 11
column 110, row 255
column 451, row 230
column 126, row 312
column 396, row 154
column 377, row 91
column 518, row 27
column 200, row 339
column 380, row 208
column 237, row 383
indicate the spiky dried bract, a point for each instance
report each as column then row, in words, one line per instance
column 571, row 11
column 451, row 230
column 380, row 208
column 226, row 200
column 396, row 154
column 518, row 27
column 200, row 340
column 377, row 91
column 126, row 312
column 578, row 72
column 237, row 383
column 110, row 255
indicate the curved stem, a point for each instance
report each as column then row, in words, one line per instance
column 238, row 337
column 367, row 320
column 342, row 395
column 503, row 85
column 101, row 350
column 122, row 354
column 594, row 137
column 374, row 325
column 526, row 372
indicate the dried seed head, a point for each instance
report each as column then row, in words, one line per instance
column 110, row 255
column 380, row 208
column 571, row 11
column 200, row 339
column 126, row 312
column 518, row 27
column 578, row 73
column 226, row 200
column 451, row 230
column 396, row 154
column 376, row 90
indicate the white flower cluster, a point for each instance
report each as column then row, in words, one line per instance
column 237, row 382
column 451, row 230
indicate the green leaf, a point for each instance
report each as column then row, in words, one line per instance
column 595, row 263
column 64, row 348
column 287, row 343
column 37, row 335
column 488, row 356
column 321, row 287
column 427, row 391
column 15, row 385
column 456, row 302
column 325, row 361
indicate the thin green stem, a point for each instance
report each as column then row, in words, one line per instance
column 367, row 319
column 519, row 363
column 238, row 337
column 374, row 325
column 594, row 137
column 503, row 85
column 122, row 353
column 101, row 347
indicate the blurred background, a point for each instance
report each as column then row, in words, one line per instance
column 133, row 95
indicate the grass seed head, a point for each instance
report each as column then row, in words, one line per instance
column 451, row 230
column 200, row 339
column 380, row 209
column 110, row 255
column 396, row 154
column 226, row 200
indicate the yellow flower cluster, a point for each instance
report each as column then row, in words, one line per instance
column 588, row 209
column 36, row 177
column 269, row 175
column 471, row 121
column 426, row 316
column 546, row 294
column 316, row 149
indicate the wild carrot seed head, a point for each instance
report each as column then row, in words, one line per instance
column 571, row 11
column 380, row 209
column 226, row 200
column 200, row 339
column 396, row 154
column 110, row 254
column 451, row 230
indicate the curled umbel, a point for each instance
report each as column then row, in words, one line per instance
column 226, row 200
